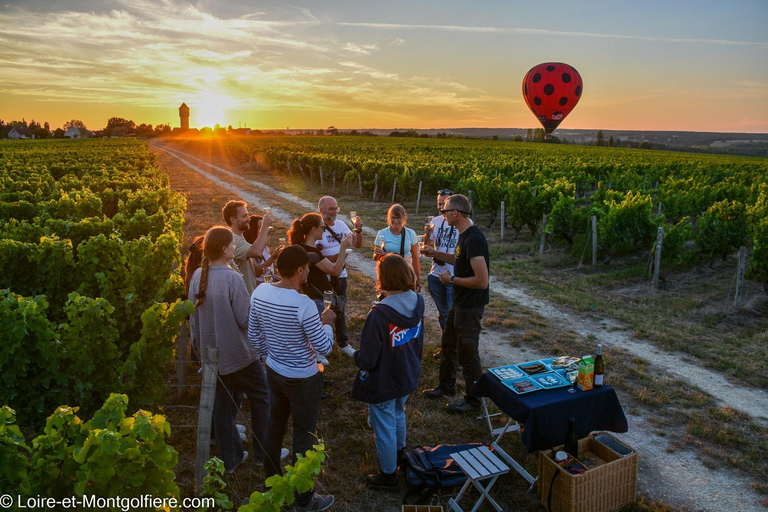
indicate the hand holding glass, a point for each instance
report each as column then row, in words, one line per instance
column 327, row 298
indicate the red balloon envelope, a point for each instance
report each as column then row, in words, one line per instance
column 551, row 90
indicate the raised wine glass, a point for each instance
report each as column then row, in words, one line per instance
column 327, row 298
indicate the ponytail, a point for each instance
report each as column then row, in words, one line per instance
column 193, row 261
column 297, row 235
column 203, row 282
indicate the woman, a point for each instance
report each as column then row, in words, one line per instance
column 401, row 240
column 221, row 320
column 390, row 364
column 307, row 232
column 261, row 264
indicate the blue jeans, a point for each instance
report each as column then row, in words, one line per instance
column 299, row 399
column 442, row 294
column 388, row 421
column 251, row 382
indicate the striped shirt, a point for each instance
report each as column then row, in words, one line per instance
column 284, row 325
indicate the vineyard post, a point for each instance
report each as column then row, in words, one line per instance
column 375, row 186
column 543, row 234
column 181, row 355
column 418, row 198
column 205, row 413
column 740, row 274
column 322, row 182
column 288, row 164
column 333, row 183
column 594, row 241
column 659, row 213
column 394, row 189
column 471, row 204
column 347, row 187
column 360, row 183
column 503, row 219
column 657, row 264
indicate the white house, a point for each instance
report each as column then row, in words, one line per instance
column 74, row 132
column 20, row 133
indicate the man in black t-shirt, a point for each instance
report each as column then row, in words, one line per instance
column 461, row 337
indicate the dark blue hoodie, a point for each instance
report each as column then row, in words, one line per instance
column 390, row 351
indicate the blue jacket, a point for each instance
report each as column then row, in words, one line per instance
column 390, row 354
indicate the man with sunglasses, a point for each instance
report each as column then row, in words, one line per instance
column 335, row 231
column 440, row 237
column 461, row 336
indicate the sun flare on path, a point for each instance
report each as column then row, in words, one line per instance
column 208, row 109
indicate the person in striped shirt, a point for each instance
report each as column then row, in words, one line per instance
column 284, row 326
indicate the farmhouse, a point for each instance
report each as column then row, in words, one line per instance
column 20, row 133
column 74, row 132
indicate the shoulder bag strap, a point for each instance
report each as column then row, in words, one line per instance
column 402, row 243
column 332, row 232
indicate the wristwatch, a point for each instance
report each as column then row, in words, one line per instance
column 451, row 279
column 357, row 231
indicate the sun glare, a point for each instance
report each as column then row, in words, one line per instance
column 209, row 110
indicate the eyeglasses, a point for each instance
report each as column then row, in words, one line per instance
column 444, row 192
column 453, row 210
column 333, row 209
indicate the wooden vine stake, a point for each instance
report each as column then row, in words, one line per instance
column 290, row 171
column 418, row 198
column 322, row 182
column 375, row 186
column 360, row 184
column 657, row 263
column 333, row 183
column 740, row 275
column 543, row 234
column 394, row 189
column 503, row 219
column 205, row 414
column 181, row 356
column 594, row 241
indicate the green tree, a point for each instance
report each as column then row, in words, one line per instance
column 76, row 123
column 610, row 141
column 600, row 140
column 539, row 135
column 529, row 135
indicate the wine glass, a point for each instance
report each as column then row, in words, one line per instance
column 327, row 298
column 381, row 243
column 352, row 217
column 428, row 226
column 267, row 276
column 421, row 242
column 281, row 241
column 572, row 377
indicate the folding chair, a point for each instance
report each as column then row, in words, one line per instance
column 478, row 464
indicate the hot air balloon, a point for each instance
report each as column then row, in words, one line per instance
column 551, row 90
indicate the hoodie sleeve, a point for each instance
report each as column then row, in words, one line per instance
column 372, row 341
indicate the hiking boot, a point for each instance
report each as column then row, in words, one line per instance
column 462, row 407
column 436, row 393
column 401, row 458
column 347, row 351
column 318, row 502
column 383, row 482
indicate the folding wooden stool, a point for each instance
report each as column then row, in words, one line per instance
column 478, row 464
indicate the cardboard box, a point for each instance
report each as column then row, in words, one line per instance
column 586, row 373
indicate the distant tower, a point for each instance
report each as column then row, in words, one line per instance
column 184, row 116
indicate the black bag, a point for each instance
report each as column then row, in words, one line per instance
column 433, row 466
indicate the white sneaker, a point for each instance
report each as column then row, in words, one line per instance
column 241, row 428
column 243, row 436
column 347, row 351
column 284, row 452
column 245, row 457
column 322, row 360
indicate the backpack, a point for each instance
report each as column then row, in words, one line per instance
column 433, row 466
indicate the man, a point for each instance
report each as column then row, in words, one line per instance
column 235, row 214
column 335, row 230
column 284, row 326
column 444, row 237
column 461, row 337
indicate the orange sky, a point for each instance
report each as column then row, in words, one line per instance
column 697, row 66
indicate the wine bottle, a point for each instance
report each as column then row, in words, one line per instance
column 599, row 367
column 571, row 441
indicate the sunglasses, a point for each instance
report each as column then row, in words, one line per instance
column 453, row 210
column 444, row 192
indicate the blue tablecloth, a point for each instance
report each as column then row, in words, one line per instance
column 544, row 414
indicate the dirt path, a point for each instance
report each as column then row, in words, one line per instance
column 678, row 479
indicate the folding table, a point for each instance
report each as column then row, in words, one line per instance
column 544, row 415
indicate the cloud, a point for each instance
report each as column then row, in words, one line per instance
column 534, row 31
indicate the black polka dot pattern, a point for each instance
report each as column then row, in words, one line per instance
column 551, row 90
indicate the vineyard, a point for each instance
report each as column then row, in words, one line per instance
column 720, row 203
column 89, row 300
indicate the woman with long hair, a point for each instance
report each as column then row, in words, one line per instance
column 389, row 359
column 221, row 320
column 264, row 263
column 400, row 240
column 306, row 232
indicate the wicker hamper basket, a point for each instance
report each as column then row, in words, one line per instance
column 609, row 486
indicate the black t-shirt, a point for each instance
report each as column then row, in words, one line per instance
column 317, row 278
column 471, row 244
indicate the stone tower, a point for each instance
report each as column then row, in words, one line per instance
column 184, row 116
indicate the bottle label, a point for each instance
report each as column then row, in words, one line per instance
column 598, row 380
